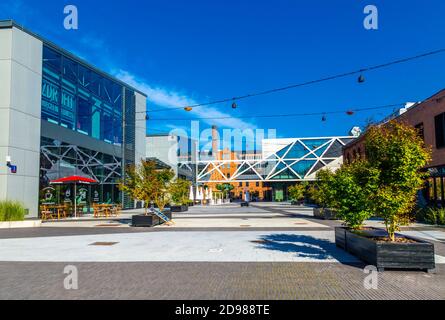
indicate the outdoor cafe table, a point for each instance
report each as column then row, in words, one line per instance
column 106, row 208
column 60, row 209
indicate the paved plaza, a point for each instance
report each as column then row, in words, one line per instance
column 266, row 251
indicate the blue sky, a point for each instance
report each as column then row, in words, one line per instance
column 185, row 52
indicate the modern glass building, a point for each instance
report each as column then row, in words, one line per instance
column 59, row 117
column 283, row 162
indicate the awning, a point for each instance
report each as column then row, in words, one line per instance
column 75, row 180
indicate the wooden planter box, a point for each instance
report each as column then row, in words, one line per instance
column 386, row 255
column 149, row 220
column 324, row 213
column 181, row 208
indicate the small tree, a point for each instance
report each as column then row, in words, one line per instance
column 162, row 186
column 321, row 192
column 179, row 190
column 399, row 154
column 297, row 192
column 147, row 183
column 351, row 188
column 225, row 188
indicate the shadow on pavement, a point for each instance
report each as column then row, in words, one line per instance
column 305, row 246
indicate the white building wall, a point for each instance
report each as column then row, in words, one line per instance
column 164, row 148
column 20, row 110
column 271, row 146
column 141, row 127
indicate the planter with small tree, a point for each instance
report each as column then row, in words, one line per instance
column 225, row 188
column 384, row 184
column 297, row 193
column 179, row 190
column 321, row 194
column 150, row 185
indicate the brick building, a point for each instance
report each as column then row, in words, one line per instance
column 428, row 117
column 257, row 189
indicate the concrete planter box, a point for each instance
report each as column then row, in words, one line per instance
column 297, row 203
column 386, row 255
column 181, row 208
column 325, row 213
column 149, row 220
column 20, row 224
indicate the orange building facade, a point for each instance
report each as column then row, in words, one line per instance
column 257, row 189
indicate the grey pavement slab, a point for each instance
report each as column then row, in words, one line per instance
column 230, row 246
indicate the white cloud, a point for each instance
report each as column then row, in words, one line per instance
column 172, row 99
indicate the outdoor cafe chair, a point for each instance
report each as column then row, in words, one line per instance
column 46, row 213
column 97, row 210
column 116, row 211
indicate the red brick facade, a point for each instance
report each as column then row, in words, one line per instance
column 423, row 114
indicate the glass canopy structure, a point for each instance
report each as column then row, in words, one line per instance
column 297, row 159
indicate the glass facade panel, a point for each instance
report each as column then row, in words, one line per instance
column 313, row 144
column 78, row 98
column 59, row 160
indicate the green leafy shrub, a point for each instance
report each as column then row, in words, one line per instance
column 179, row 190
column 432, row 216
column 349, row 190
column 12, row 211
column 441, row 216
column 225, row 188
column 297, row 192
column 320, row 192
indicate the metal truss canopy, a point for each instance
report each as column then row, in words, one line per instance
column 59, row 161
column 296, row 159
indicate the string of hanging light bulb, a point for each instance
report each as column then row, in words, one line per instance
column 360, row 72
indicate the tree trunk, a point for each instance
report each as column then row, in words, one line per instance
column 391, row 229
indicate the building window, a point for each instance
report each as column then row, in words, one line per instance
column 247, row 184
column 77, row 98
column 420, row 130
column 257, row 184
column 240, row 184
column 440, row 130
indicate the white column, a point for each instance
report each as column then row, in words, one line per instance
column 20, row 114
column 141, row 127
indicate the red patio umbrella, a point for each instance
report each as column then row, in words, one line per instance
column 74, row 180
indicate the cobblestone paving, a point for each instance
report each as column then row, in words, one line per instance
column 211, row 280
column 166, row 281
